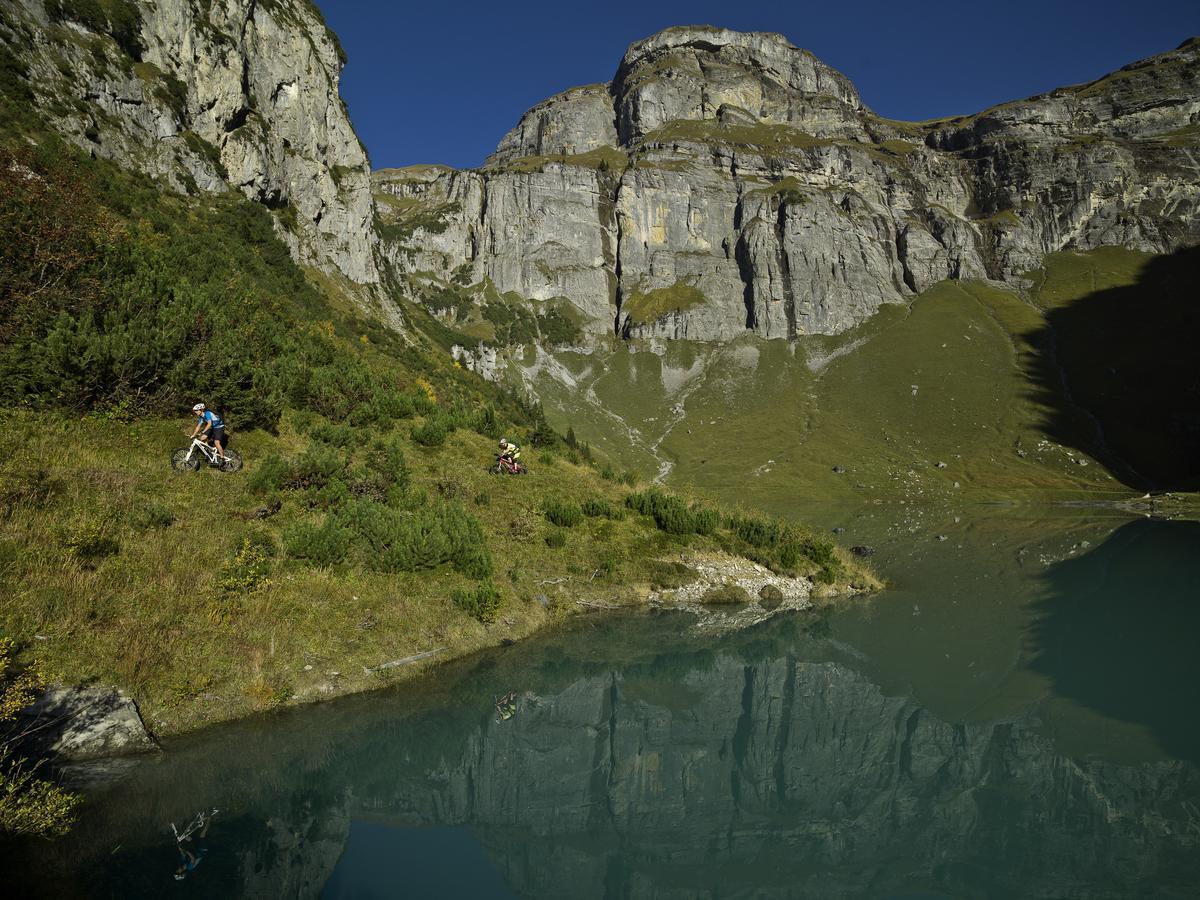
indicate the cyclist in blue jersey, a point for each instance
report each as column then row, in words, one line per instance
column 210, row 427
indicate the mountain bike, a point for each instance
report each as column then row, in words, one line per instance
column 187, row 459
column 506, row 466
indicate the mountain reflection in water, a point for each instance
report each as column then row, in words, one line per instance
column 766, row 762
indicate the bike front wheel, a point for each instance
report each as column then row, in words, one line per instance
column 232, row 461
column 181, row 462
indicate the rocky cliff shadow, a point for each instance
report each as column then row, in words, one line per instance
column 1125, row 358
column 1117, row 631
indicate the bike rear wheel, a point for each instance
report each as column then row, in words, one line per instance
column 232, row 462
column 181, row 463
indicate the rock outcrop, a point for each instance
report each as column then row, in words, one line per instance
column 208, row 96
column 81, row 723
column 728, row 182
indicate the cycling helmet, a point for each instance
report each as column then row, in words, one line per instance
column 199, row 407
column 503, row 441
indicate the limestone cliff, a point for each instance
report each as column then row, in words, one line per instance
column 728, row 182
column 206, row 95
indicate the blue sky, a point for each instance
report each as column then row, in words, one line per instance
column 443, row 82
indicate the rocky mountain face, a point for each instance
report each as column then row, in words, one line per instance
column 207, row 95
column 726, row 183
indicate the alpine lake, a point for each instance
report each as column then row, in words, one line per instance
column 1015, row 716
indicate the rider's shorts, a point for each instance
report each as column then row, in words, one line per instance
column 217, row 435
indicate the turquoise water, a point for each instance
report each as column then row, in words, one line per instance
column 1015, row 717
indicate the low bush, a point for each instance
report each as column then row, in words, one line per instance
column 482, row 603
column 596, row 507
column 432, row 432
column 153, row 515
column 556, row 538
column 324, row 545
column 756, row 532
column 91, row 540
column 563, row 513
column 336, row 435
column 672, row 515
column 391, row 540
column 385, row 458
column 315, row 468
column 269, row 475
column 250, row 566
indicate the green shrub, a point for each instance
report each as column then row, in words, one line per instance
column 336, row 435
column 541, row 435
column 597, row 506
column 556, row 538
column 482, row 603
column 391, row 540
column 315, row 468
column 91, row 540
column 704, row 520
column 249, row 568
column 269, row 475
column 563, row 513
column 607, row 565
column 385, row 458
column 324, row 545
column 756, row 532
column 432, row 432
column 29, row 805
column 391, row 404
column 671, row 514
column 153, row 515
column 487, row 423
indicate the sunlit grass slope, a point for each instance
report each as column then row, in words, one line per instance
column 123, row 571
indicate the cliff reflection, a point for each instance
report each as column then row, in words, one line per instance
column 758, row 764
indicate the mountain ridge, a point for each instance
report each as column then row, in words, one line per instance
column 743, row 168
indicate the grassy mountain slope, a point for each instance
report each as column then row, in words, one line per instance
column 1006, row 391
column 364, row 528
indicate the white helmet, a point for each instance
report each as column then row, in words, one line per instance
column 199, row 407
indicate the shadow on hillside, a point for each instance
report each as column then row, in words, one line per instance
column 1125, row 357
column 1116, row 632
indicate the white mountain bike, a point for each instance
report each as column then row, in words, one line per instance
column 187, row 459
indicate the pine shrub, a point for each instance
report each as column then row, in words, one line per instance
column 432, row 432
column 563, row 513
column 482, row 603
column 324, row 545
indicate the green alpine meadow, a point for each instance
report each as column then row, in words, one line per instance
column 719, row 464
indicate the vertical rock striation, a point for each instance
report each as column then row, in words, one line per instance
column 727, row 182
